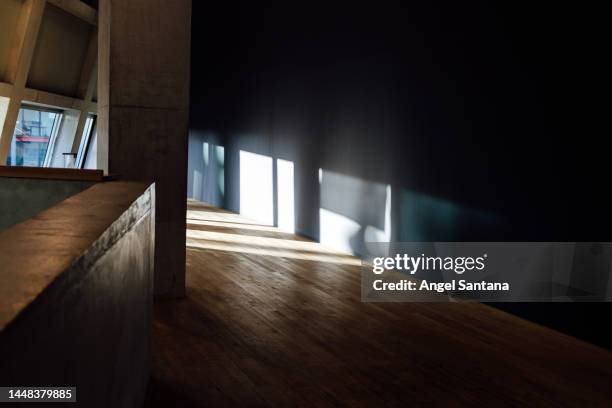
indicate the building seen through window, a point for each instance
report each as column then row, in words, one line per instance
column 34, row 130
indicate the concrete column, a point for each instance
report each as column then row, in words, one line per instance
column 143, row 102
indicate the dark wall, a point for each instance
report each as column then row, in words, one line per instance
column 481, row 117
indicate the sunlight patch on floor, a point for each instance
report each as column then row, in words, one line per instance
column 281, row 253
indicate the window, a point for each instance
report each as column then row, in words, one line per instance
column 35, row 130
column 87, row 143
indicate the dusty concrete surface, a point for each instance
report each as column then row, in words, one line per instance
column 77, row 310
column 21, row 199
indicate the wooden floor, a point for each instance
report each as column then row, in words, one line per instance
column 275, row 320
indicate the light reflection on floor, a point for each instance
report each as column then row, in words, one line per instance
column 225, row 234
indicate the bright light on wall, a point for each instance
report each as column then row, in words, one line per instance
column 205, row 153
column 353, row 212
column 286, row 205
column 220, row 157
column 256, row 187
column 336, row 230
column 373, row 234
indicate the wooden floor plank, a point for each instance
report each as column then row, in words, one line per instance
column 264, row 325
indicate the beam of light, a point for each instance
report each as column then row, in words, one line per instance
column 336, row 230
column 220, row 216
column 197, row 183
column 280, row 253
column 353, row 212
column 373, row 234
column 256, row 187
column 264, row 242
column 220, row 158
column 229, row 224
column 294, row 247
column 286, row 205
column 205, row 153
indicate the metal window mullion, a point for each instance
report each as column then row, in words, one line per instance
column 54, row 133
column 87, row 144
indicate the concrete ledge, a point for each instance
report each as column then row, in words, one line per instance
column 50, row 173
column 35, row 252
column 76, row 289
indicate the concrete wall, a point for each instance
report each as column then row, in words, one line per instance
column 9, row 15
column 60, row 51
column 143, row 99
column 4, row 103
column 21, row 199
column 90, row 327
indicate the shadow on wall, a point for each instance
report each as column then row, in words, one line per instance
column 423, row 218
column 206, row 170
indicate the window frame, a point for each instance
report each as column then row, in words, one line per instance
column 54, row 134
column 81, row 158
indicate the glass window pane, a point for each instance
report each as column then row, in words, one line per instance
column 33, row 131
column 84, row 147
